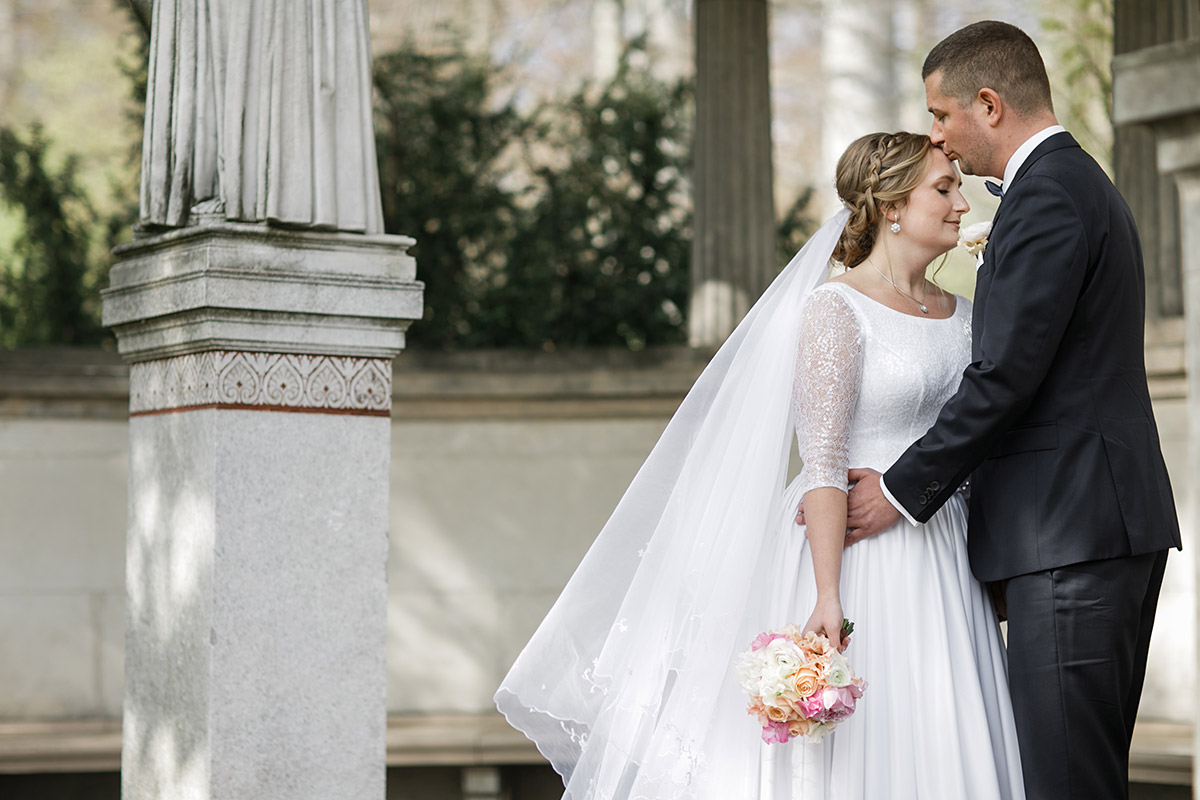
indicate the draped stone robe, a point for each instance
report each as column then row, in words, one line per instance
column 260, row 110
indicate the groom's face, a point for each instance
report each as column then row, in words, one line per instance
column 960, row 132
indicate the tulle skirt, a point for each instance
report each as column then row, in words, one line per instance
column 936, row 721
column 670, row 723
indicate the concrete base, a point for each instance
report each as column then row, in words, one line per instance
column 257, row 536
column 256, row 606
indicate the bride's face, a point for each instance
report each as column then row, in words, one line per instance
column 931, row 214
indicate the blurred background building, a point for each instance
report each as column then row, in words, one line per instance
column 543, row 154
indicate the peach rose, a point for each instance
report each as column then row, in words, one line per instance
column 813, row 643
column 777, row 714
column 818, row 661
column 806, row 681
column 798, row 727
column 793, row 632
column 759, row 711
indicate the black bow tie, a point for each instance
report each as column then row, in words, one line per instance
column 994, row 188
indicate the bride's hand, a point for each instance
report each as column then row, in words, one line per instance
column 826, row 620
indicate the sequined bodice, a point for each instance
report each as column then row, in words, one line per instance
column 870, row 380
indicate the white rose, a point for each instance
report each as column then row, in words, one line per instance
column 975, row 237
column 781, row 694
column 817, row 731
column 838, row 673
column 975, row 232
column 747, row 669
column 783, row 657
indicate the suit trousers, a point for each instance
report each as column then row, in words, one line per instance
column 1077, row 643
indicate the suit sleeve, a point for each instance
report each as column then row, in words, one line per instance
column 1038, row 270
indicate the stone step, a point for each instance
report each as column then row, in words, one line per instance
column 1161, row 752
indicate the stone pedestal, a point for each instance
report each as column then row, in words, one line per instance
column 256, row 591
column 733, row 250
column 1156, row 86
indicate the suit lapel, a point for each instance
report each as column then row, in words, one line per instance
column 983, row 276
column 1058, row 141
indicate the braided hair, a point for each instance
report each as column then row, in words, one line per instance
column 877, row 172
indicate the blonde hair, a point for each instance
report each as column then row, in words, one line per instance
column 877, row 172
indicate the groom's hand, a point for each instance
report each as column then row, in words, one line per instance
column 868, row 512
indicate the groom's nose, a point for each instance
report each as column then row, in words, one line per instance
column 936, row 135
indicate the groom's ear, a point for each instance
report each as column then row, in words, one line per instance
column 991, row 105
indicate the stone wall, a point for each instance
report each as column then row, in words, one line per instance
column 504, row 468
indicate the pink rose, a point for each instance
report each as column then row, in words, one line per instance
column 831, row 705
column 764, row 639
column 839, row 703
column 775, row 733
column 813, row 706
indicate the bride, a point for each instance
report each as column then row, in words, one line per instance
column 627, row 685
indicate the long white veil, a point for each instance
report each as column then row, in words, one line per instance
column 622, row 685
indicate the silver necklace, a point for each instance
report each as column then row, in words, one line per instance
column 920, row 303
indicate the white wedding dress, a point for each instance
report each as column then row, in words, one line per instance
column 935, row 722
column 627, row 686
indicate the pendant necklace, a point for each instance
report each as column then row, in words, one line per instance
column 920, row 303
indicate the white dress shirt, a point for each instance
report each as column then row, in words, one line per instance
column 1021, row 154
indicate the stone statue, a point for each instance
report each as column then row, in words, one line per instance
column 260, row 110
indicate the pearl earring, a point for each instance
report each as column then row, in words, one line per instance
column 896, row 226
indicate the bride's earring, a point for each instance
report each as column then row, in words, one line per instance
column 896, row 225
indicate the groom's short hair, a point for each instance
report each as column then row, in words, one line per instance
column 993, row 55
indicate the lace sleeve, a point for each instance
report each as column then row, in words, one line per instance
column 825, row 388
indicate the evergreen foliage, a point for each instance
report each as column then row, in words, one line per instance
column 604, row 258
column 568, row 226
column 49, row 292
column 440, row 146
column 52, row 271
column 565, row 227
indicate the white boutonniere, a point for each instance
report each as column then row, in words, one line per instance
column 975, row 237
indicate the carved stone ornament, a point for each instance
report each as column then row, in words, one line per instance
column 261, row 382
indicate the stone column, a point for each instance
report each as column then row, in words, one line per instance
column 733, row 252
column 1189, row 215
column 1155, row 86
column 256, row 592
column 607, row 38
column 1138, row 25
column 858, row 63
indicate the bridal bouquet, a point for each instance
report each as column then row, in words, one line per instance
column 799, row 684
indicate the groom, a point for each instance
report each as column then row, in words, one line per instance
column 1070, row 500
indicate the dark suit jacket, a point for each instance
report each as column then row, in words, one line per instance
column 1052, row 421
